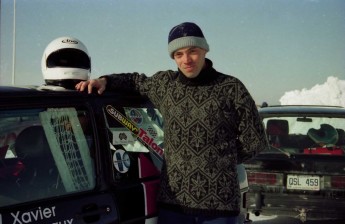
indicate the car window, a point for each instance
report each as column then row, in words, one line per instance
column 136, row 141
column 305, row 134
column 44, row 152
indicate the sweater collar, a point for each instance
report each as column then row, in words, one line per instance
column 205, row 76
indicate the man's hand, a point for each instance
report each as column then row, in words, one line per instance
column 98, row 84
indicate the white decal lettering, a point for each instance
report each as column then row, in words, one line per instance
column 149, row 141
column 47, row 213
column 68, row 221
column 35, row 215
column 26, row 217
column 16, row 218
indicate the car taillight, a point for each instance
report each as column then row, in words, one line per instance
column 338, row 182
column 264, row 178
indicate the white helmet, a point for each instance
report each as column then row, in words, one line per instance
column 65, row 62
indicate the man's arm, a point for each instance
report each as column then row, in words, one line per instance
column 252, row 134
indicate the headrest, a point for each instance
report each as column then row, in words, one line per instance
column 325, row 135
column 32, row 143
column 277, row 127
column 341, row 137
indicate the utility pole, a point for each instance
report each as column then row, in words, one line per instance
column 14, row 45
column 0, row 42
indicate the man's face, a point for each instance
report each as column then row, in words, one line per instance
column 190, row 60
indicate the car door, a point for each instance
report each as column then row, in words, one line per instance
column 135, row 147
column 135, row 138
column 48, row 169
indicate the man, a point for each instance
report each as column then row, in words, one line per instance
column 211, row 124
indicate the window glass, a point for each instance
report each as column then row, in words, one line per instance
column 307, row 135
column 44, row 153
column 136, row 141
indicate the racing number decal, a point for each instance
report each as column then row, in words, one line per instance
column 140, row 133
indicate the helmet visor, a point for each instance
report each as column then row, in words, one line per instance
column 70, row 58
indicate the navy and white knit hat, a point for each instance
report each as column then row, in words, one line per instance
column 186, row 35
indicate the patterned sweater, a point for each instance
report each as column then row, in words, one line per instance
column 211, row 124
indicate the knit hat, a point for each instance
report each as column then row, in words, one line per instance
column 186, row 35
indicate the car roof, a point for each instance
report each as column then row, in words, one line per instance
column 7, row 92
column 5, row 89
column 29, row 94
column 300, row 110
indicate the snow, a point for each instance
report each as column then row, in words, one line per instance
column 331, row 93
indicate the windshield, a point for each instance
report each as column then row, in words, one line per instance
column 306, row 135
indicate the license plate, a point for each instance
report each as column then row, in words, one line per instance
column 300, row 182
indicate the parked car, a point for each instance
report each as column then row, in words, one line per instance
column 302, row 173
column 71, row 157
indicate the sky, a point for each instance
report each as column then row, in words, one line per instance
column 273, row 46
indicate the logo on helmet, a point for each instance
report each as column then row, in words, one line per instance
column 68, row 41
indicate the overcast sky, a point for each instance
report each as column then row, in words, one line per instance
column 272, row 46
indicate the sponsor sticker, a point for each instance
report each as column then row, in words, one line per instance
column 121, row 137
column 69, row 41
column 121, row 161
column 152, row 131
column 141, row 134
column 136, row 116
